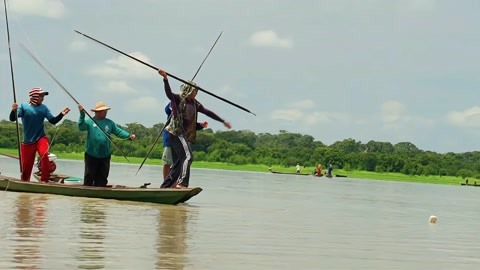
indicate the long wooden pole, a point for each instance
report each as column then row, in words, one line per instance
column 170, row 75
column 13, row 88
column 161, row 131
column 68, row 93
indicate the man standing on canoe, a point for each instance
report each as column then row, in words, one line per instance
column 33, row 114
column 182, row 130
column 168, row 156
column 98, row 152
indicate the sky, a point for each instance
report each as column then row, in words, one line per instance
column 389, row 71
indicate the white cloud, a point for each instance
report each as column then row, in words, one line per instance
column 306, row 104
column 395, row 117
column 269, row 39
column 119, row 87
column 124, row 67
column 77, row 45
column 317, row 117
column 287, row 115
column 300, row 112
column 467, row 118
column 53, row 9
column 392, row 112
column 144, row 104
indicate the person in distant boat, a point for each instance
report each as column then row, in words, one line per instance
column 182, row 130
column 319, row 170
column 168, row 157
column 298, row 167
column 98, row 152
column 329, row 171
column 33, row 114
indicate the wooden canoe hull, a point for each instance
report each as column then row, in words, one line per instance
column 290, row 173
column 470, row 185
column 151, row 195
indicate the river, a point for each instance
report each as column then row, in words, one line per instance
column 243, row 220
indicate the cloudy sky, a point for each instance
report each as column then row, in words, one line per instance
column 392, row 71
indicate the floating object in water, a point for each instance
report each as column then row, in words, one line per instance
column 433, row 219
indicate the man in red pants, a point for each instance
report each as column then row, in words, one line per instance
column 33, row 114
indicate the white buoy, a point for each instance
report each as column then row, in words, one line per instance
column 433, row 219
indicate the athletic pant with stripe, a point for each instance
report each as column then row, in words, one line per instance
column 180, row 171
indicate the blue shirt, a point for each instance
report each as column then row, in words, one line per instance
column 165, row 141
column 32, row 121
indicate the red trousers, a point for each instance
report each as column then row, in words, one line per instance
column 28, row 152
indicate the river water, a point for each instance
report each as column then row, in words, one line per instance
column 243, row 220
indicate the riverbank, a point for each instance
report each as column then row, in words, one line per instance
column 445, row 180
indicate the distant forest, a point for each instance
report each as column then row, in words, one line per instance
column 284, row 148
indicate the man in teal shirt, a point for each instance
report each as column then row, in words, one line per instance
column 98, row 152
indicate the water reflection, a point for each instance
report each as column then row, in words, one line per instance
column 172, row 234
column 92, row 235
column 29, row 231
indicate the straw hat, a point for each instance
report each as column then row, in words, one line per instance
column 100, row 106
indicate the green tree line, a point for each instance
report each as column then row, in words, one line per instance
column 285, row 148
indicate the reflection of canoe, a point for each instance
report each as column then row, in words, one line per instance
column 340, row 175
column 290, row 173
column 139, row 194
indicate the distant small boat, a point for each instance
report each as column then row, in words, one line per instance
column 289, row 173
column 470, row 185
column 322, row 175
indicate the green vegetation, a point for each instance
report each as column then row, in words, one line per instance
column 247, row 151
column 449, row 180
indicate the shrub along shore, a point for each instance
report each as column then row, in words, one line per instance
column 446, row 180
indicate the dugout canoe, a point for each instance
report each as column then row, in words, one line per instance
column 289, row 173
column 322, row 175
column 116, row 192
column 470, row 185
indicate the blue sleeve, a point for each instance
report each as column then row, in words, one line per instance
column 48, row 114
column 168, row 109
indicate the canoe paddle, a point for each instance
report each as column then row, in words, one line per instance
column 166, row 123
column 170, row 75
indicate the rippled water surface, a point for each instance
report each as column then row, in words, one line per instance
column 243, row 220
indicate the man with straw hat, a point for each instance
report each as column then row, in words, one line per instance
column 98, row 152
